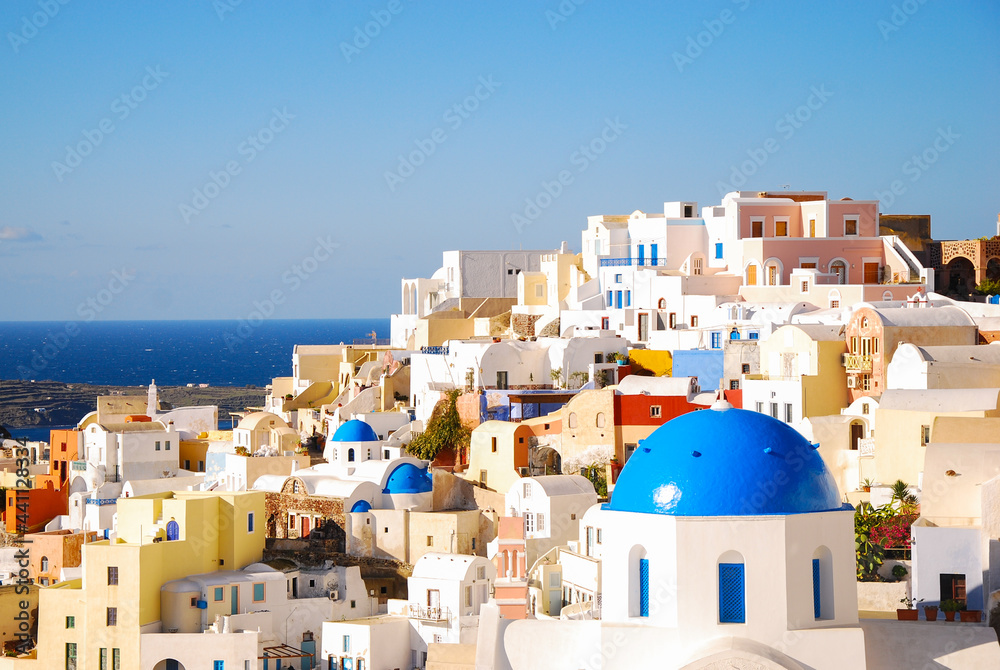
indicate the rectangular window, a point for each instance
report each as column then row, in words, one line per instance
column 618, row 279
column 774, row 410
column 754, row 335
column 718, row 249
column 157, row 445
column 643, row 587
column 480, row 572
column 220, row 594
column 599, row 358
column 104, row 658
column 347, row 644
column 258, row 593
column 694, row 321
column 610, row 299
column 734, row 384
column 468, row 596
column 430, row 540
column 804, row 286
column 788, row 412
column 780, row 228
column 250, row 521
column 526, row 490
column 71, row 622
column 851, row 225
column 628, row 298
column 652, row 253
column 218, row 665
column 757, row 228
column 953, row 587
column 201, row 466
column 116, row 659
column 866, row 382
column 166, row 445
column 642, row 254
column 673, row 319
column 112, row 619
column 696, row 268
column 745, row 368
column 817, row 601
column 732, row 601
column 925, row 435
column 71, row 656
column 187, row 464
column 539, row 290
column 760, row 408
column 600, row 535
column 618, row 299
column 529, row 522
column 716, row 340
column 493, row 444
column 654, row 411
column 540, row 521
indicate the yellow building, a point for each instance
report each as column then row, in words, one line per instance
column 498, row 454
column 98, row 620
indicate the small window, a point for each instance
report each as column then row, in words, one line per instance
column 468, row 596
column 661, row 303
column 493, row 443
column 220, row 594
column 520, row 440
column 732, row 607
column 347, row 644
column 112, row 575
column 716, row 340
column 851, row 225
column 600, row 535
column 157, row 445
column 774, row 410
column 194, row 601
column 354, row 604
column 382, row 590
column 526, row 490
column 757, row 228
column 672, row 319
column 258, row 593
column 430, row 540
column 166, row 445
column 250, row 522
column 618, row 279
column 540, row 521
column 694, row 321
column 218, row 665
column 754, row 335
column 481, row 572
column 780, row 228
column 734, row 384
column 804, row 286
column 654, row 411
column 112, row 619
column 760, row 408
column 925, row 435
column 718, row 249
column 599, row 421
column 745, row 368
column 864, row 408
column 71, row 622
column 788, row 412
column 539, row 290
column 45, row 564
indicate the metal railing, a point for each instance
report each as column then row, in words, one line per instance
column 101, row 501
column 629, row 262
column 377, row 342
column 866, row 446
column 428, row 613
column 437, row 351
column 79, row 466
column 857, row 362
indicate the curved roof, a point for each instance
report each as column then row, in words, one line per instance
column 663, row 386
column 433, row 565
column 409, row 478
column 562, row 485
column 272, row 483
column 354, row 430
column 926, row 316
column 256, row 420
column 941, row 400
column 725, row 462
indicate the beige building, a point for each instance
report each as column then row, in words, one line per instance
column 498, row 454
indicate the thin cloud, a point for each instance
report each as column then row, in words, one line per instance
column 12, row 234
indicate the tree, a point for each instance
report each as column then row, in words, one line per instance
column 988, row 287
column 444, row 430
column 556, row 374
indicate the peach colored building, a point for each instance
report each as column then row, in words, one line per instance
column 510, row 560
column 51, row 551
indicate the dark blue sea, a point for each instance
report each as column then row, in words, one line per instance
column 174, row 353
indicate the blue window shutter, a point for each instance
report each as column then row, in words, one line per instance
column 754, row 335
column 642, row 254
column 716, row 340
column 652, row 253
column 817, row 601
column 628, row 298
column 618, row 299
column 718, row 249
column 609, row 299
column 644, row 587
column 732, row 604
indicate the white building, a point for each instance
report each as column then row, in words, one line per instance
column 551, row 507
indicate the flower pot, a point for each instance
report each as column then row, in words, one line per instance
column 971, row 616
column 907, row 615
column 949, row 616
column 930, row 613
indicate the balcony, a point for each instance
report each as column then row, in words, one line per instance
column 866, row 447
column 428, row 613
column 857, row 363
column 100, row 502
column 79, row 466
column 437, row 351
column 630, row 262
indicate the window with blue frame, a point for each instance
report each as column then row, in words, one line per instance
column 642, row 253
column 754, row 335
column 218, row 665
column 618, row 299
column 219, row 594
column 817, row 600
column 628, row 298
column 610, row 303
column 173, row 531
column 618, row 279
column 718, row 249
column 258, row 593
column 652, row 253
column 644, row 587
column 347, row 644
column 732, row 598
column 716, row 340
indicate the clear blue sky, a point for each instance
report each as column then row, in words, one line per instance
column 888, row 92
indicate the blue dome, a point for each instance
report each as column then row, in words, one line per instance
column 354, row 430
column 361, row 506
column 725, row 462
column 408, row 478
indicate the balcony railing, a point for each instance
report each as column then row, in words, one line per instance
column 857, row 362
column 378, row 342
column 437, row 351
column 101, row 501
column 866, row 447
column 629, row 262
column 428, row 613
column 79, row 466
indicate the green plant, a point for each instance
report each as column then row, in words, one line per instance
column 601, row 377
column 988, row 287
column 556, row 374
column 242, row 451
column 580, row 377
column 899, row 571
column 910, row 602
column 951, row 605
column 444, row 430
column 470, row 378
column 869, row 552
column 867, row 484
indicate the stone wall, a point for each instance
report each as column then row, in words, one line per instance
column 523, row 325
column 277, row 507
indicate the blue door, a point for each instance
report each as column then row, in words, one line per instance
column 642, row 254
column 652, row 253
column 618, row 299
column 732, row 601
column 173, row 531
column 817, row 602
column 644, row 587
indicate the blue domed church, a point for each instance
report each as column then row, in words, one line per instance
column 725, row 544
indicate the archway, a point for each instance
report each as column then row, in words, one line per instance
column 993, row 269
column 839, row 268
column 960, row 275
column 169, row 664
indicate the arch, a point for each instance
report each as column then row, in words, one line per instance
column 822, row 581
column 599, row 421
column 350, row 454
column 78, row 485
column 638, row 582
column 571, row 422
column 732, row 588
column 661, row 303
column 752, row 274
column 44, row 564
column 169, row 664
column 993, row 269
column 173, row 530
column 839, row 267
column 960, row 275
column 833, row 299
column 774, row 271
column 887, row 296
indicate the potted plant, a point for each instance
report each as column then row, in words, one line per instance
column 930, row 612
column 899, row 571
column 910, row 613
column 867, row 484
column 949, row 607
column 970, row 616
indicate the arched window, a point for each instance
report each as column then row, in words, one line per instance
column 887, row 296
column 661, row 303
column 173, row 530
column 839, row 268
column 732, row 588
column 45, row 564
column 600, row 420
column 350, row 455
column 572, row 420
column 822, row 583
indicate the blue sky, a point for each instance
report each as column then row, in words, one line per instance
column 300, row 118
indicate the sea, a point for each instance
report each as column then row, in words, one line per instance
column 174, row 353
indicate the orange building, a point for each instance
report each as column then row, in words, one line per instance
column 49, row 495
